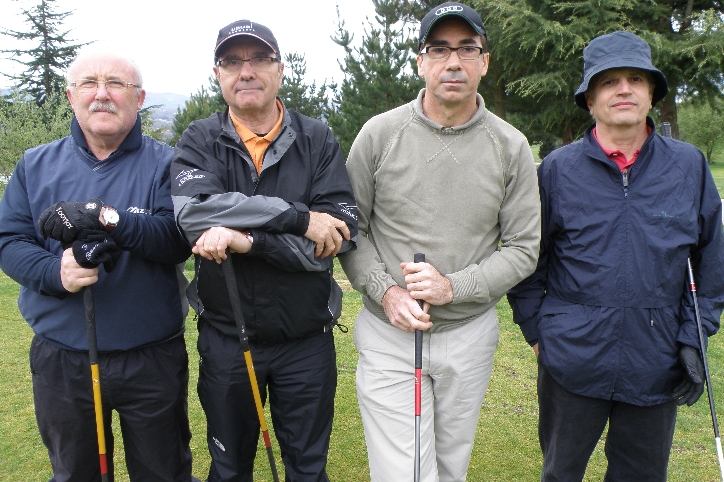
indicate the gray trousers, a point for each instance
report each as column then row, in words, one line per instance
column 457, row 363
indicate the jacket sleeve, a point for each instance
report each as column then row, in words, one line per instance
column 364, row 267
column 519, row 220
column 525, row 299
column 707, row 259
column 201, row 201
column 278, row 226
column 331, row 193
column 23, row 255
column 153, row 237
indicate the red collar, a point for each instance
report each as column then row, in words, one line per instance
column 617, row 156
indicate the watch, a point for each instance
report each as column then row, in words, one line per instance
column 110, row 217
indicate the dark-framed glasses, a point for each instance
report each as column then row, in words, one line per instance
column 257, row 63
column 90, row 85
column 439, row 52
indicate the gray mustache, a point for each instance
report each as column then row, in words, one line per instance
column 100, row 105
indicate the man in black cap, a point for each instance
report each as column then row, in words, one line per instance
column 442, row 176
column 269, row 185
column 607, row 311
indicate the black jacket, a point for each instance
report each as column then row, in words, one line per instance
column 286, row 293
column 608, row 303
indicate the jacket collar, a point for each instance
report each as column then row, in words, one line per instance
column 228, row 127
column 593, row 148
column 132, row 142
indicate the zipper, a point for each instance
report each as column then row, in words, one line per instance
column 624, row 174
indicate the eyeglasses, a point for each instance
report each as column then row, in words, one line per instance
column 233, row 66
column 438, row 52
column 88, row 85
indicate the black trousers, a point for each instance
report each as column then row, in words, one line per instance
column 147, row 387
column 301, row 377
column 637, row 444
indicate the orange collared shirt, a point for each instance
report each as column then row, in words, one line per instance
column 257, row 145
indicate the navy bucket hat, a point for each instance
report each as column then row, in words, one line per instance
column 618, row 50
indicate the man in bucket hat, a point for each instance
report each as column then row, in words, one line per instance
column 445, row 177
column 607, row 311
column 270, row 185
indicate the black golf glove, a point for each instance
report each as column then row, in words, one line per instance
column 93, row 248
column 64, row 221
column 691, row 387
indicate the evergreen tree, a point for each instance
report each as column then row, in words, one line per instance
column 297, row 95
column 201, row 105
column 380, row 74
column 147, row 123
column 47, row 61
column 540, row 45
column 24, row 124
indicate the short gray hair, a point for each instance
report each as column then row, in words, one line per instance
column 137, row 77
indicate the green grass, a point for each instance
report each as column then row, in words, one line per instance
column 506, row 445
column 717, row 170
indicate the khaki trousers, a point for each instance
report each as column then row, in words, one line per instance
column 456, row 367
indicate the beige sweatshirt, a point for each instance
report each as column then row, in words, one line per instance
column 465, row 196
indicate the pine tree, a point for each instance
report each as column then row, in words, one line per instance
column 47, row 61
column 379, row 75
column 24, row 124
column 299, row 96
column 539, row 48
column 201, row 105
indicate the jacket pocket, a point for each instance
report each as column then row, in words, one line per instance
column 577, row 346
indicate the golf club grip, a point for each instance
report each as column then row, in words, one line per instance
column 418, row 258
column 230, row 278
column 90, row 325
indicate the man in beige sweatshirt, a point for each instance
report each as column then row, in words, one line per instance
column 445, row 177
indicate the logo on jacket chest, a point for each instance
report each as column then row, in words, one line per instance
column 665, row 215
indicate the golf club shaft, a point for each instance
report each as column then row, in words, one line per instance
column 702, row 345
column 90, row 321
column 230, row 277
column 418, row 258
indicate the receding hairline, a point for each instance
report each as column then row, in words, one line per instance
column 103, row 55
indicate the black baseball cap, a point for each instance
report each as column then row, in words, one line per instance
column 448, row 10
column 249, row 28
column 618, row 50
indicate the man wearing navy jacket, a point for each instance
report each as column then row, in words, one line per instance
column 106, row 176
column 607, row 310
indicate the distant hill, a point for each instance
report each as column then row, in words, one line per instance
column 163, row 115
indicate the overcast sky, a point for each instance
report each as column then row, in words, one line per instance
column 172, row 42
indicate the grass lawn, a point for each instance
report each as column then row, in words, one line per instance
column 717, row 170
column 506, row 447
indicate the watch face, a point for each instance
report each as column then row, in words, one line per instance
column 111, row 216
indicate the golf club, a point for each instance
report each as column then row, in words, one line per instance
column 90, row 323
column 230, row 277
column 666, row 132
column 418, row 258
column 717, row 440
